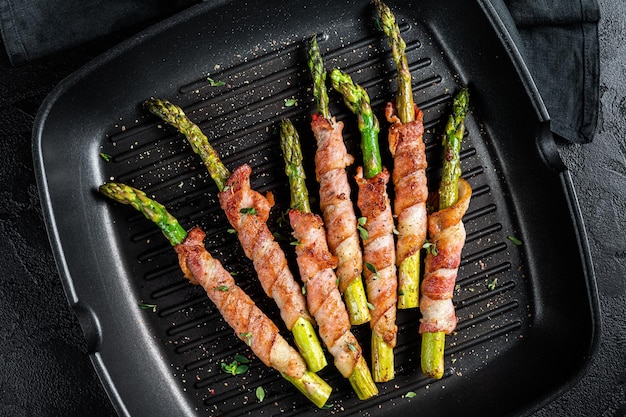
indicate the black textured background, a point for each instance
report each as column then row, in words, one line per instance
column 44, row 367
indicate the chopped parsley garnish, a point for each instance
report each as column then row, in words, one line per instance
column 515, row 240
column 236, row 367
column 152, row 307
column 214, row 83
column 360, row 223
column 372, row 269
column 260, row 393
column 248, row 210
column 431, row 248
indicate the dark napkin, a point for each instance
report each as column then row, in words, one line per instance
column 558, row 39
column 559, row 42
column 33, row 29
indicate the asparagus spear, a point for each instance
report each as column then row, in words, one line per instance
column 408, row 279
column 313, row 259
column 455, row 129
column 404, row 99
column 309, row 383
column 357, row 100
column 433, row 342
column 374, row 203
column 331, row 159
column 318, row 72
column 303, row 331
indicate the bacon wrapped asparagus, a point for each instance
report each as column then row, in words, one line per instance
column 379, row 250
column 248, row 211
column 331, row 160
column 409, row 167
column 249, row 323
column 316, row 265
column 447, row 235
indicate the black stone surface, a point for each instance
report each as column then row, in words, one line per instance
column 44, row 366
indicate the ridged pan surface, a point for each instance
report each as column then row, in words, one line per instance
column 527, row 323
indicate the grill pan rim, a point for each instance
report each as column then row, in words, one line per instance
column 90, row 321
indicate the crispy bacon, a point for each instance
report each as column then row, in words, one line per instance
column 409, row 178
column 248, row 211
column 316, row 265
column 331, row 160
column 379, row 252
column 447, row 232
column 249, row 323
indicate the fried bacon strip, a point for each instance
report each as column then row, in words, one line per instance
column 316, row 265
column 331, row 161
column 248, row 211
column 446, row 233
column 411, row 192
column 378, row 253
column 250, row 324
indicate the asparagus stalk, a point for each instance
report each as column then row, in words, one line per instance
column 410, row 268
column 318, row 72
column 303, row 331
column 354, row 294
column 433, row 343
column 175, row 116
column 455, row 129
column 404, row 99
column 357, row 100
column 310, row 384
column 360, row 378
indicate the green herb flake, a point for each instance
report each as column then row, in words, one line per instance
column 248, row 210
column 410, row 394
column 222, row 288
column 303, row 289
column 214, row 83
column 352, row 347
column 241, row 358
column 295, row 243
column 290, row 102
column 260, row 393
column 362, row 231
column 152, row 307
column 372, row 269
column 279, row 237
column 492, row 285
column 232, row 231
column 370, row 306
column 431, row 248
column 248, row 337
column 515, row 240
column 105, row 156
column 236, row 367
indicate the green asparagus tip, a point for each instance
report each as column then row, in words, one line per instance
column 153, row 210
column 357, row 100
column 318, row 72
column 292, row 153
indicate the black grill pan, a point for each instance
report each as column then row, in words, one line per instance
column 528, row 313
